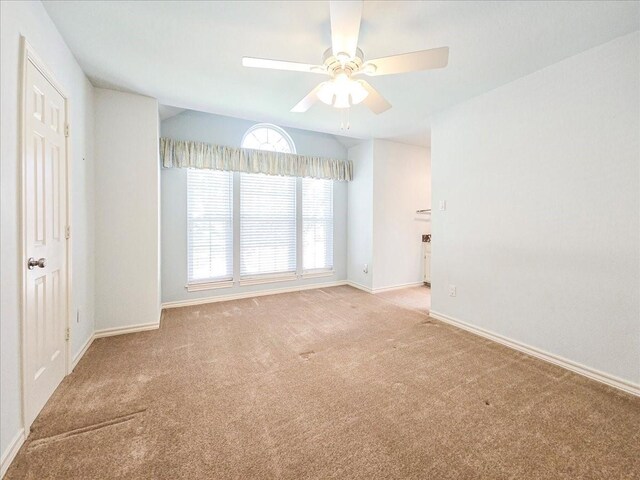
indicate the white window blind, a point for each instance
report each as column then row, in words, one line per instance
column 267, row 225
column 317, row 224
column 210, row 225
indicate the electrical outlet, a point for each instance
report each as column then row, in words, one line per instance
column 452, row 290
column 366, row 268
column 443, row 205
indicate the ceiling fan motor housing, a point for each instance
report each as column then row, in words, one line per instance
column 333, row 64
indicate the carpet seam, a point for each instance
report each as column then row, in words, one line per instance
column 86, row 429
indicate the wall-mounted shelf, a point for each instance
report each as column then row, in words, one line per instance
column 426, row 211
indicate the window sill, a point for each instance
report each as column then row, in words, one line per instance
column 288, row 277
column 268, row 279
column 318, row 273
column 199, row 287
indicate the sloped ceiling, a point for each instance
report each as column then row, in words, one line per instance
column 188, row 54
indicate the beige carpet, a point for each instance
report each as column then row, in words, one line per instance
column 331, row 383
column 417, row 298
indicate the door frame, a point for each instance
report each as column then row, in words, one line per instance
column 29, row 55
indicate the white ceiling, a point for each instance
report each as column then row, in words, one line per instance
column 188, row 54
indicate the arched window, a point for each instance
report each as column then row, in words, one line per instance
column 278, row 217
column 268, row 231
column 264, row 136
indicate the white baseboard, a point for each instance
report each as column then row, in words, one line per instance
column 275, row 291
column 396, row 287
column 260, row 293
column 10, row 453
column 109, row 332
column 382, row 289
column 359, row 286
column 610, row 380
column 82, row 351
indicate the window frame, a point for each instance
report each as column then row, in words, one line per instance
column 266, row 277
column 300, row 273
column 322, row 271
column 211, row 283
column 255, row 278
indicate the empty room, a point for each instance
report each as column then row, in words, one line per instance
column 320, row 240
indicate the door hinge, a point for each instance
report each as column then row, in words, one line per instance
column 67, row 334
column 67, row 232
column 66, row 129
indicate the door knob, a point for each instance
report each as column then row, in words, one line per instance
column 32, row 263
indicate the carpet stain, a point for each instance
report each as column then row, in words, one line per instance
column 427, row 322
column 307, row 355
column 399, row 386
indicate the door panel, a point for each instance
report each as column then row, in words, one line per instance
column 45, row 193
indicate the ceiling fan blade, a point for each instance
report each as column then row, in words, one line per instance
column 376, row 102
column 345, row 26
column 282, row 65
column 408, row 62
column 306, row 103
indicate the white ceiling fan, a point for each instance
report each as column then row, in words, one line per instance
column 344, row 60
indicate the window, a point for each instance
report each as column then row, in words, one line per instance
column 317, row 224
column 254, row 228
column 267, row 225
column 267, row 210
column 264, row 136
column 209, row 226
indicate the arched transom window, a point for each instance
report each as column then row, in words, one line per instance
column 265, row 136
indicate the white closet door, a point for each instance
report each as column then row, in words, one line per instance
column 45, row 214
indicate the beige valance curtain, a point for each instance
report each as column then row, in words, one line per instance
column 188, row 154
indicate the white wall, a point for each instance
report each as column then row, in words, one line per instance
column 127, row 210
column 541, row 234
column 401, row 185
column 391, row 181
column 30, row 19
column 360, row 216
column 204, row 127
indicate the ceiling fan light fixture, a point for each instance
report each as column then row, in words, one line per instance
column 341, row 80
column 342, row 99
column 342, row 92
column 326, row 93
column 358, row 92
